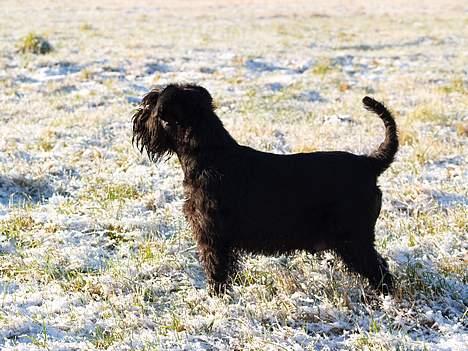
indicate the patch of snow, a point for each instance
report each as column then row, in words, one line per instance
column 311, row 96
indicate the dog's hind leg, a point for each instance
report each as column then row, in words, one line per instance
column 219, row 263
column 366, row 261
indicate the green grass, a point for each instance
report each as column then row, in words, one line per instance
column 17, row 224
column 33, row 43
column 322, row 67
column 19, row 228
column 105, row 193
column 457, row 85
column 103, row 338
column 86, row 27
column 432, row 113
column 47, row 141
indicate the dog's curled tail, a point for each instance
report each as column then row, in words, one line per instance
column 384, row 155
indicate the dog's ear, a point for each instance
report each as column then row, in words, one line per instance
column 182, row 104
column 142, row 119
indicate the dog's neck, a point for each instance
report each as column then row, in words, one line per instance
column 203, row 146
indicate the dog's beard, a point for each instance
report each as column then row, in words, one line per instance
column 149, row 135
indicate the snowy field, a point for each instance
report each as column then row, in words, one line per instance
column 94, row 250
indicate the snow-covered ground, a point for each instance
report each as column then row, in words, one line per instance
column 94, row 250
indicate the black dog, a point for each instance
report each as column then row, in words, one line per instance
column 243, row 200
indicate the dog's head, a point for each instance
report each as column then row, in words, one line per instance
column 166, row 118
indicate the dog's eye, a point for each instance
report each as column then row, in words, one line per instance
column 167, row 123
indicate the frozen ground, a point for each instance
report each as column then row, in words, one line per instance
column 94, row 251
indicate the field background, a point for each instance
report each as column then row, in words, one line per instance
column 94, row 250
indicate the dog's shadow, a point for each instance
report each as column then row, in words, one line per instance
column 18, row 190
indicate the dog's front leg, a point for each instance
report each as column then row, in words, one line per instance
column 217, row 262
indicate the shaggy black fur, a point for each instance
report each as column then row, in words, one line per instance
column 243, row 200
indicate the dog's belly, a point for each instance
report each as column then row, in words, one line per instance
column 280, row 232
column 272, row 243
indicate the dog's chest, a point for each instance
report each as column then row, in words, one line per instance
column 200, row 206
